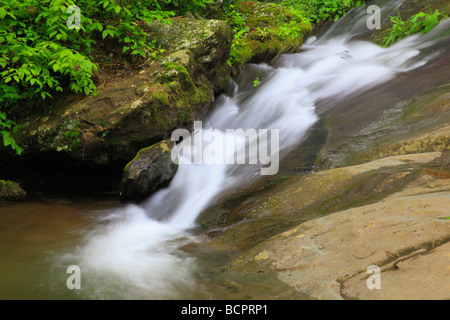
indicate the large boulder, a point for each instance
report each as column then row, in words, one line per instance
column 151, row 169
column 202, row 47
column 134, row 112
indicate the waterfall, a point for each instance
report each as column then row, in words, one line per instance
column 135, row 251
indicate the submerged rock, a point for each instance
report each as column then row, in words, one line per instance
column 10, row 190
column 149, row 170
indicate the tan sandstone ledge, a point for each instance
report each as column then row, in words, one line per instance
column 405, row 234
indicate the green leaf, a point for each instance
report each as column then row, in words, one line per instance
column 7, row 141
column 97, row 26
column 18, row 149
column 2, row 13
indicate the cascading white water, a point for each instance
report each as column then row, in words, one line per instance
column 136, row 254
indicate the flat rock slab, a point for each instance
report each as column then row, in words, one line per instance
column 425, row 275
column 327, row 258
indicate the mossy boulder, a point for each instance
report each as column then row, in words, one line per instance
column 142, row 109
column 133, row 112
column 149, row 170
column 268, row 30
column 10, row 190
column 201, row 47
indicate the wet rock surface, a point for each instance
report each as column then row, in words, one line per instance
column 148, row 171
column 327, row 257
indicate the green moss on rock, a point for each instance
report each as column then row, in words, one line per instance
column 133, row 112
column 268, row 31
column 149, row 170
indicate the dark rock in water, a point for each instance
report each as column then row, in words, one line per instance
column 10, row 190
column 151, row 169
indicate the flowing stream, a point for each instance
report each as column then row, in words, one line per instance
column 135, row 251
